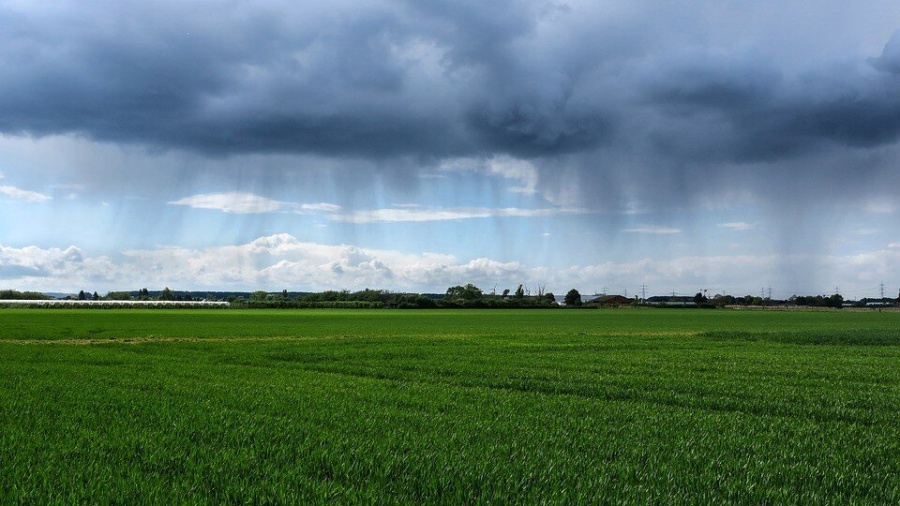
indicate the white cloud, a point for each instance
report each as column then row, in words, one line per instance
column 321, row 207
column 231, row 202
column 406, row 214
column 652, row 229
column 521, row 171
column 26, row 195
column 738, row 226
column 409, row 214
column 249, row 203
column 34, row 262
column 282, row 261
column 518, row 170
column 271, row 262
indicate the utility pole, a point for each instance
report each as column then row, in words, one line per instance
column 882, row 290
column 643, row 292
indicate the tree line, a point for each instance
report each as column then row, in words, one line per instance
column 460, row 296
column 17, row 295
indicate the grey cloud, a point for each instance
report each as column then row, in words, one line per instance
column 619, row 96
column 889, row 60
column 684, row 82
column 342, row 80
column 22, row 271
column 748, row 111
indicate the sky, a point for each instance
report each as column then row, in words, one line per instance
column 734, row 146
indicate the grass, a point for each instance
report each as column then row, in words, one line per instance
column 449, row 407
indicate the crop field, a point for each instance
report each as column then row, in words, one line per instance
column 412, row 407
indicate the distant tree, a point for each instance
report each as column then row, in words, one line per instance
column 423, row 301
column 506, row 293
column 573, row 298
column 836, row 300
column 259, row 295
column 166, row 294
column 96, row 296
column 17, row 295
column 82, row 295
column 723, row 300
column 520, row 292
column 700, row 298
column 468, row 292
column 370, row 295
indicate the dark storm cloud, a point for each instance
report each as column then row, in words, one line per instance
column 746, row 110
column 533, row 79
column 372, row 81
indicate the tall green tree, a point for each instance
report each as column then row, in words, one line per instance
column 573, row 298
column 520, row 292
column 468, row 292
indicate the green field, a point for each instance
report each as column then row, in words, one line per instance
column 380, row 407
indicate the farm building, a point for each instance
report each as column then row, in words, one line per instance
column 668, row 300
column 611, row 301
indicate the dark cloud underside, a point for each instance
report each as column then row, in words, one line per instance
column 620, row 96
